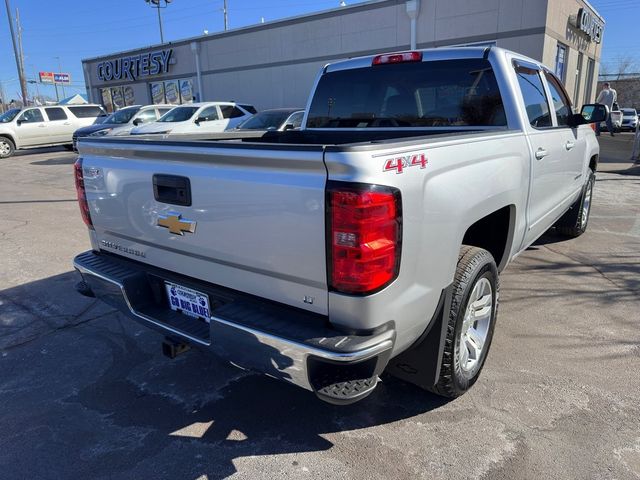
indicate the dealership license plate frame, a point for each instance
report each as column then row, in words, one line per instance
column 188, row 301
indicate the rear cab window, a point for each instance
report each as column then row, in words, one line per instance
column 442, row 93
column 86, row 111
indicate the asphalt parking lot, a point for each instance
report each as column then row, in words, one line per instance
column 86, row 393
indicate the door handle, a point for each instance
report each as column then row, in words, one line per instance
column 569, row 145
column 67, row 123
column 42, row 125
column 541, row 153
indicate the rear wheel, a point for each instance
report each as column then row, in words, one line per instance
column 471, row 322
column 574, row 223
column 6, row 147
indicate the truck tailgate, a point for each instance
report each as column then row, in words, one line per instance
column 257, row 213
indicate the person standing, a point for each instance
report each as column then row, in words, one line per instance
column 607, row 96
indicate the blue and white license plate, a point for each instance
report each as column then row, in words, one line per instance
column 188, row 301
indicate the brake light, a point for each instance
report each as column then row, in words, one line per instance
column 399, row 57
column 364, row 237
column 82, row 196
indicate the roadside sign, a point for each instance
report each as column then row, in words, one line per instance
column 61, row 78
column 51, row 77
column 46, row 77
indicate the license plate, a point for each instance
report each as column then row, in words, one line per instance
column 188, row 301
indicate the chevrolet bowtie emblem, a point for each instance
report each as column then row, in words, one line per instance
column 176, row 224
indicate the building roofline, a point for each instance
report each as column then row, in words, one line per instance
column 594, row 10
column 333, row 12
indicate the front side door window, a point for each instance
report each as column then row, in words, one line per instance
column 33, row 115
column 559, row 101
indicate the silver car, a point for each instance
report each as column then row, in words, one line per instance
column 629, row 119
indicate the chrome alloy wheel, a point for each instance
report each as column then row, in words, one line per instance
column 475, row 326
column 5, row 148
column 586, row 205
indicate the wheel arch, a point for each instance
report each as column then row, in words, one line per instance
column 494, row 232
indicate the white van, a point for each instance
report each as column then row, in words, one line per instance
column 34, row 127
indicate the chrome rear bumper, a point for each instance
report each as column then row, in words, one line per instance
column 280, row 341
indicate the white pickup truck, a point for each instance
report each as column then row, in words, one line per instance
column 370, row 239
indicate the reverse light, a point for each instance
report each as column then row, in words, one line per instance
column 82, row 196
column 364, row 236
column 399, row 57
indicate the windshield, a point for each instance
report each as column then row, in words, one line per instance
column 417, row 94
column 266, row 120
column 178, row 114
column 121, row 116
column 629, row 112
column 9, row 115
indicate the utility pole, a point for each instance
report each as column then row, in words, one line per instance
column 226, row 17
column 21, row 51
column 23, row 83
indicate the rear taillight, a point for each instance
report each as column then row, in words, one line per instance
column 364, row 236
column 82, row 196
column 399, row 57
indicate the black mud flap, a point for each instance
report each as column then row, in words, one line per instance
column 420, row 363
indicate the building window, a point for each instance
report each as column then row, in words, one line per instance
column 588, row 86
column 576, row 90
column 173, row 92
column 115, row 98
column 561, row 62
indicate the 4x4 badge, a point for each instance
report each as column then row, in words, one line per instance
column 176, row 224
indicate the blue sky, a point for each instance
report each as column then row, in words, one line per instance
column 76, row 29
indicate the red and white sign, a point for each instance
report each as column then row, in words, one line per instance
column 46, row 77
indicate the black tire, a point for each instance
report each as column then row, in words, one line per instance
column 575, row 221
column 6, row 147
column 474, row 264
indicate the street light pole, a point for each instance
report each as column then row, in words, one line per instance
column 226, row 19
column 157, row 4
column 64, row 95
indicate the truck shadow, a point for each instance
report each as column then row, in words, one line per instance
column 117, row 402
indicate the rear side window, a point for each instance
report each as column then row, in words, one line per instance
column 229, row 111
column 421, row 94
column 89, row 111
column 249, row 108
column 535, row 99
column 561, row 103
column 55, row 113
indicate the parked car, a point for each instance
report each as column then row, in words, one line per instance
column 278, row 119
column 35, row 127
column 206, row 117
column 371, row 238
column 629, row 119
column 122, row 121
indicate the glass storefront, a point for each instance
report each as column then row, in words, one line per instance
column 172, row 92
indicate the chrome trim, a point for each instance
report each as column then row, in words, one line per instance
column 84, row 270
column 253, row 349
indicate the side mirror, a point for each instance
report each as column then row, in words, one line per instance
column 137, row 121
column 19, row 122
column 200, row 119
column 288, row 126
column 594, row 113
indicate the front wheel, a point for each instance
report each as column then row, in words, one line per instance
column 471, row 322
column 6, row 147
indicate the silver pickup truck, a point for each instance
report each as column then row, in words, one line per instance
column 370, row 239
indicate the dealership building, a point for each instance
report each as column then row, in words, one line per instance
column 274, row 64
